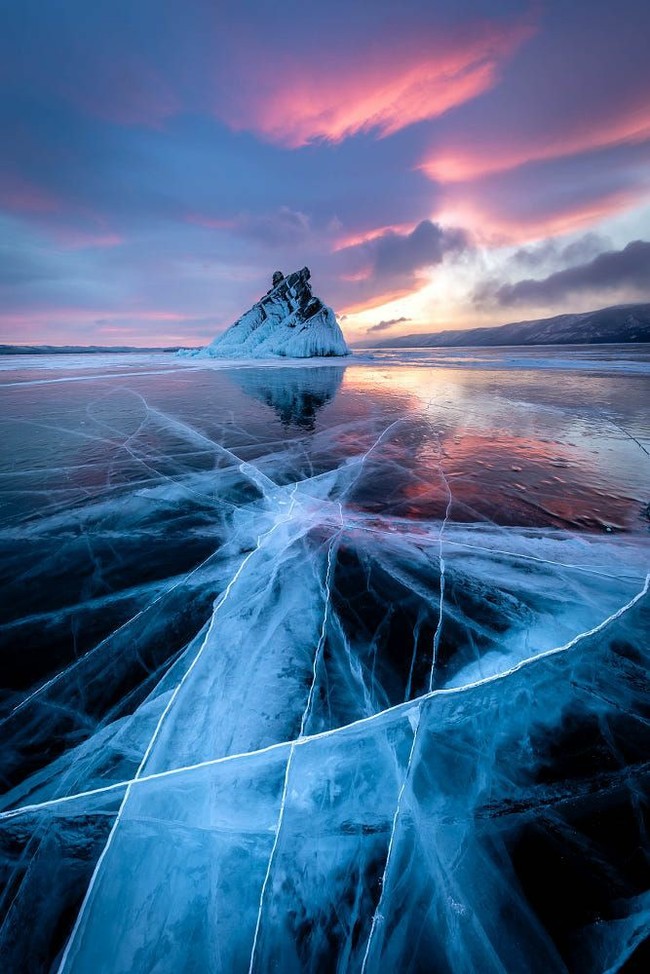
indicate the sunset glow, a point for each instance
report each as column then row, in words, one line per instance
column 406, row 156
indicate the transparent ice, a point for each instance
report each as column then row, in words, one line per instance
column 324, row 669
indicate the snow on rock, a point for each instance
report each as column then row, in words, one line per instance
column 289, row 322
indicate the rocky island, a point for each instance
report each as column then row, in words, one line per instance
column 288, row 322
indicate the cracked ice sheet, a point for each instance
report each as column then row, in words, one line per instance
column 192, row 848
column 225, row 658
column 241, row 695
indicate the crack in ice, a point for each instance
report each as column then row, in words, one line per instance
column 404, row 707
column 303, row 722
column 377, row 916
column 441, row 562
column 220, row 603
column 94, row 649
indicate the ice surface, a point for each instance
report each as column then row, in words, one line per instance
column 324, row 669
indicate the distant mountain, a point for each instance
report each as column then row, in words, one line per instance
column 617, row 325
column 76, row 349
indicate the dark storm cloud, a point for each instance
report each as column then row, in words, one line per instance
column 552, row 252
column 395, row 257
column 398, row 254
column 390, row 265
column 384, row 325
column 627, row 268
column 547, row 256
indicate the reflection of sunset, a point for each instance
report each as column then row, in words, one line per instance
column 419, row 384
column 548, row 474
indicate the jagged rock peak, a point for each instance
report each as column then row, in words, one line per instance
column 289, row 321
column 294, row 287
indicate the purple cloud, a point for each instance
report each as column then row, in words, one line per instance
column 385, row 325
column 627, row 268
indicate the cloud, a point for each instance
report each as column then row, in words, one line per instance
column 19, row 195
column 563, row 141
column 18, row 269
column 385, row 325
column 614, row 269
column 311, row 73
column 393, row 256
column 282, row 226
column 570, row 95
column 389, row 266
column 553, row 197
column 585, row 248
column 168, row 157
column 401, row 74
column 469, row 162
column 397, row 254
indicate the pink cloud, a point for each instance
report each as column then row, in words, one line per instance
column 377, row 300
column 384, row 87
column 19, row 195
column 207, row 221
column 464, row 160
column 84, row 326
column 155, row 315
column 354, row 239
column 581, row 216
column 497, row 225
column 55, row 216
column 72, row 239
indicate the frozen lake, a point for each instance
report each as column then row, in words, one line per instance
column 338, row 666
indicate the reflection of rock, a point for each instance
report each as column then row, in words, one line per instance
column 288, row 322
column 296, row 395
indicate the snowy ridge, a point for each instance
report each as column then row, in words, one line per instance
column 288, row 322
column 616, row 325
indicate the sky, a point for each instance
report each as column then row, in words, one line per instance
column 446, row 163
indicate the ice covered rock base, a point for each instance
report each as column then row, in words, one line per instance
column 288, row 322
column 362, row 729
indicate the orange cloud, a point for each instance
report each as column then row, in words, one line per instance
column 353, row 240
column 384, row 88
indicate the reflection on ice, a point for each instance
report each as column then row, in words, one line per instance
column 296, row 395
column 354, row 712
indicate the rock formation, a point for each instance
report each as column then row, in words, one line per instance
column 288, row 322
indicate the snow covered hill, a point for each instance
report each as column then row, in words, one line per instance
column 288, row 322
column 616, row 325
